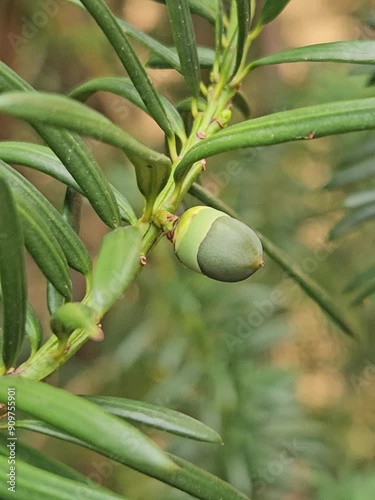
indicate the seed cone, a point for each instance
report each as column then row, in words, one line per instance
column 212, row 243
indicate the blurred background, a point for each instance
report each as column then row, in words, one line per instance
column 258, row 361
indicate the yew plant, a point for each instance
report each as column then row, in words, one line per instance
column 195, row 129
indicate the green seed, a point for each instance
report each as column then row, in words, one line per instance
column 212, row 243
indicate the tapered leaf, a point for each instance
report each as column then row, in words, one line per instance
column 186, row 105
column 127, row 213
column 200, row 483
column 54, row 299
column 271, row 9
column 206, row 58
column 301, row 124
column 359, row 199
column 74, row 154
column 243, row 21
column 189, row 478
column 125, row 88
column 37, row 157
column 129, row 59
column 62, row 112
column 154, row 46
column 138, row 412
column 203, row 8
column 33, row 329
column 75, row 316
column 364, row 169
column 151, row 180
column 42, row 461
column 86, row 421
column 12, row 275
column 219, row 26
column 43, row 246
column 74, row 250
column 44, row 160
column 81, row 164
column 117, row 265
column 39, row 235
column 353, row 220
column 355, row 51
column 35, row 483
column 72, row 209
column 310, row 287
column 184, row 39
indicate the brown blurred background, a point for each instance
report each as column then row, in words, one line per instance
column 292, row 384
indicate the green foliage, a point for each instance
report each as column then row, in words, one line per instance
column 44, row 160
column 124, row 88
column 136, row 71
column 12, row 273
column 113, row 275
column 301, row 124
column 74, row 250
column 271, row 9
column 73, row 153
column 41, row 484
column 87, row 422
column 243, row 22
column 357, row 52
column 184, row 39
column 195, row 129
column 157, row 417
column 361, row 208
column 62, row 112
column 204, row 8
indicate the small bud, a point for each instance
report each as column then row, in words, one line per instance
column 73, row 316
